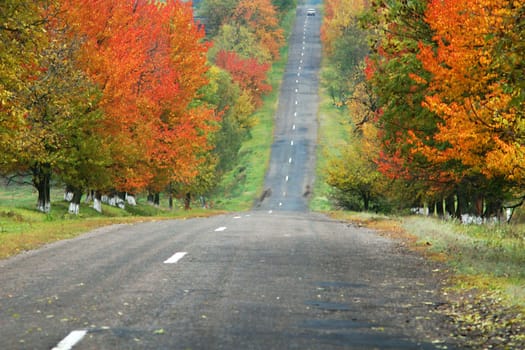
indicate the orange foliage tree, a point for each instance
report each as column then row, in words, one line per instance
column 149, row 62
column 481, row 129
column 262, row 18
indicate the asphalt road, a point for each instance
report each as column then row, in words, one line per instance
column 276, row 278
column 292, row 165
column 249, row 281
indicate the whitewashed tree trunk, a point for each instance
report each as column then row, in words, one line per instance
column 131, row 200
column 43, row 206
column 68, row 196
column 74, row 208
column 97, row 204
column 89, row 196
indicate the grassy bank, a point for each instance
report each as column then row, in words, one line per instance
column 493, row 254
column 23, row 228
column 332, row 135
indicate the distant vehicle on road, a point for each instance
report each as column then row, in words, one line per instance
column 310, row 12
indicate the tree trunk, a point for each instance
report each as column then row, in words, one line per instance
column 478, row 204
column 41, row 181
column 366, row 200
column 68, row 193
column 97, row 201
column 494, row 209
column 187, row 201
column 462, row 205
column 431, row 208
column 156, row 199
column 450, row 202
column 170, row 196
column 90, row 195
column 131, row 200
column 74, row 205
column 151, row 198
column 440, row 210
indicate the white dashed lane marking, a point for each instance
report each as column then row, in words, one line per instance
column 220, row 229
column 71, row 340
column 175, row 258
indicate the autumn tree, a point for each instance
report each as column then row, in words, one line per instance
column 354, row 173
column 283, row 6
column 260, row 16
column 56, row 104
column 22, row 34
column 149, row 62
column 241, row 40
column 216, row 13
column 248, row 73
column 345, row 46
column 396, row 30
column 235, row 108
column 480, row 131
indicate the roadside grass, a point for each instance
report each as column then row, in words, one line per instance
column 494, row 253
column 242, row 185
column 488, row 257
column 332, row 134
column 486, row 288
column 23, row 228
column 486, row 292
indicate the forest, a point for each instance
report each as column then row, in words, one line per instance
column 114, row 98
column 435, row 97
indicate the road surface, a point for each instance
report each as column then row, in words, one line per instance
column 292, row 165
column 248, row 281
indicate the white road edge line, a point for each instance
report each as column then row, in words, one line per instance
column 71, row 340
column 176, row 257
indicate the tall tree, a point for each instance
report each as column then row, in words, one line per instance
column 149, row 62
column 481, row 129
column 397, row 29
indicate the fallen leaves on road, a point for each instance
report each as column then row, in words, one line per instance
column 483, row 321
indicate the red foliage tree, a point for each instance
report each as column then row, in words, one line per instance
column 248, row 73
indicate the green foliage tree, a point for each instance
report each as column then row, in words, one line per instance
column 345, row 47
column 216, row 13
column 239, row 39
column 22, row 33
